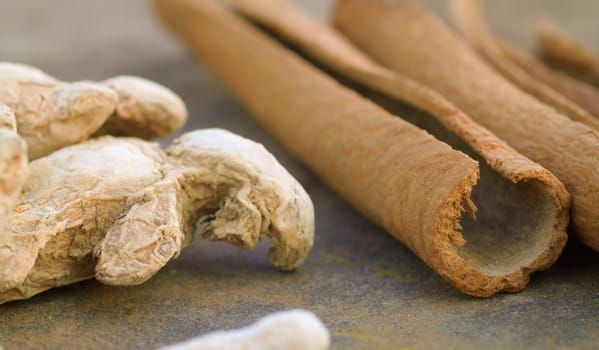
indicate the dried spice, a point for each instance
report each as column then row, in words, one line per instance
column 577, row 101
column 394, row 33
column 120, row 208
column 51, row 114
column 563, row 52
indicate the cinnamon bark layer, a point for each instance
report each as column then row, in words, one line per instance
column 565, row 53
column 413, row 42
column 503, row 169
column 399, row 176
column 578, row 101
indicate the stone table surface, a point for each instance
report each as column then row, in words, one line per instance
column 370, row 291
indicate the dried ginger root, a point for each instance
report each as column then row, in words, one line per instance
column 145, row 109
column 52, row 114
column 120, row 208
column 291, row 330
column 13, row 161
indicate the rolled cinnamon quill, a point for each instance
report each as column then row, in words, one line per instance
column 413, row 42
column 502, row 167
column 576, row 100
column 567, row 54
column 403, row 179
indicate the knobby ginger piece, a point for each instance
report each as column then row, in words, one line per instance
column 7, row 119
column 403, row 179
column 51, row 114
column 573, row 99
column 564, row 52
column 13, row 162
column 290, row 330
column 411, row 41
column 119, row 209
column 145, row 109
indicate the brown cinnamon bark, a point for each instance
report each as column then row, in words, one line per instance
column 585, row 95
column 540, row 81
column 413, row 185
column 565, row 53
column 415, row 43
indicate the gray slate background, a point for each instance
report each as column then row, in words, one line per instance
column 369, row 290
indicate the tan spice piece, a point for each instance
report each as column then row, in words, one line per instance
column 564, row 96
column 145, row 109
column 502, row 167
column 564, row 52
column 288, row 330
column 120, row 208
column 411, row 41
column 13, row 161
column 469, row 16
column 51, row 114
column 398, row 175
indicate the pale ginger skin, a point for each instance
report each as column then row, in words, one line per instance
column 13, row 161
column 7, row 119
column 52, row 114
column 119, row 209
column 290, row 330
column 145, row 109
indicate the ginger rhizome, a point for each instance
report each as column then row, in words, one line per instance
column 13, row 161
column 290, row 330
column 51, row 114
column 118, row 209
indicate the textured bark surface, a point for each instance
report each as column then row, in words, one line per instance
column 568, row 149
column 585, row 95
column 368, row 288
column 576, row 100
column 535, row 235
column 565, row 52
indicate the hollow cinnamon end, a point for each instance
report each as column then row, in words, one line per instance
column 416, row 187
column 484, row 264
column 565, row 53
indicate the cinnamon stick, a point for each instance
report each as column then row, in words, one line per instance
column 403, row 179
column 503, row 169
column 563, row 52
column 532, row 76
column 585, row 95
column 413, row 42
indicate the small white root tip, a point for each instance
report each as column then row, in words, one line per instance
column 291, row 330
